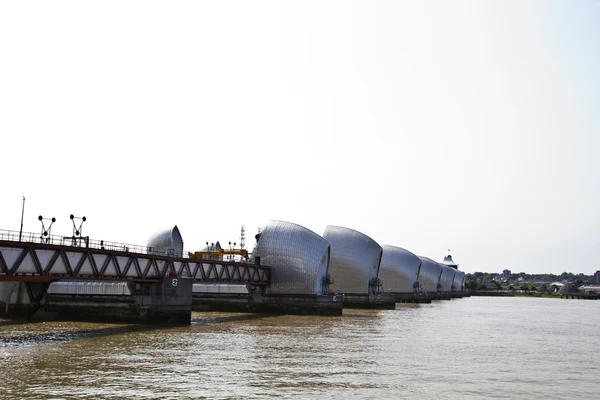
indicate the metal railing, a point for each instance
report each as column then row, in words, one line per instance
column 86, row 242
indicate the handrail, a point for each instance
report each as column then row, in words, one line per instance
column 29, row 237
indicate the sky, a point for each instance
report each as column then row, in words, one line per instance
column 472, row 126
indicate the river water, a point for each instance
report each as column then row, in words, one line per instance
column 478, row 347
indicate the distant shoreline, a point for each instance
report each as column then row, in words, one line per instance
column 504, row 293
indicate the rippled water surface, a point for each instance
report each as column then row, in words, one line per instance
column 465, row 348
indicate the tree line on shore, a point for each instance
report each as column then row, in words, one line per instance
column 541, row 283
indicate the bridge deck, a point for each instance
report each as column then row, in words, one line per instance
column 28, row 261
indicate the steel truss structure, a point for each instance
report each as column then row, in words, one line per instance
column 40, row 262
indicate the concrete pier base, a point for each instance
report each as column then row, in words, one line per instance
column 21, row 300
column 15, row 311
column 439, row 296
column 490, row 293
column 380, row 301
column 296, row 304
column 169, row 302
column 419, row 300
column 445, row 296
column 412, row 297
column 222, row 302
column 269, row 303
column 580, row 296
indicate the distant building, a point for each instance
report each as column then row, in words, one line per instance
column 449, row 261
column 568, row 288
column 595, row 290
column 506, row 274
column 597, row 277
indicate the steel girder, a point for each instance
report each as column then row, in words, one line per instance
column 39, row 262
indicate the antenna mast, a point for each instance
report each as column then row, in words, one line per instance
column 243, row 237
column 22, row 214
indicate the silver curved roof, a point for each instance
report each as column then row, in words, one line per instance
column 429, row 275
column 166, row 241
column 298, row 257
column 354, row 260
column 457, row 285
column 399, row 269
column 447, row 278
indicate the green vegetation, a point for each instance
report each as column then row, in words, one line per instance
column 524, row 287
column 524, row 283
column 565, row 276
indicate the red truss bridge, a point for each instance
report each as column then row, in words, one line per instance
column 30, row 258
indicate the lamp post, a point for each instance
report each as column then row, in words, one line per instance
column 46, row 232
column 77, row 231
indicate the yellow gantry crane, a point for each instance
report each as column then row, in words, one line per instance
column 218, row 254
column 214, row 251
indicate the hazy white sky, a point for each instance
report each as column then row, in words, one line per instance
column 469, row 125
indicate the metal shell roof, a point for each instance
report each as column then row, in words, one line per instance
column 429, row 275
column 447, row 278
column 458, row 283
column 399, row 269
column 298, row 257
column 166, row 241
column 354, row 261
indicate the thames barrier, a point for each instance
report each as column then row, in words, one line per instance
column 291, row 270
